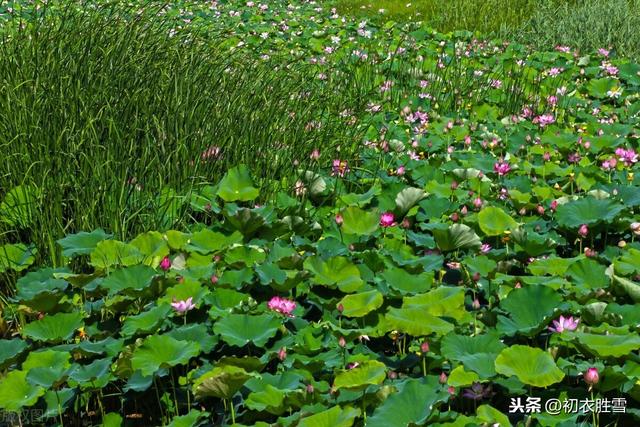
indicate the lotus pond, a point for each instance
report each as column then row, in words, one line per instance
column 454, row 242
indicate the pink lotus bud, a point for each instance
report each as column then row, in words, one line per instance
column 165, row 264
column 342, row 342
column 405, row 223
column 554, row 205
column 454, row 217
column 392, row 375
column 339, row 220
column 475, row 304
column 583, row 231
column 443, row 378
column 310, row 388
column 214, row 279
column 476, row 277
column 340, row 308
column 282, row 354
column 451, row 390
column 454, row 185
column 477, row 202
column 464, row 210
column 540, row 210
column 592, row 376
column 424, row 347
column 400, row 171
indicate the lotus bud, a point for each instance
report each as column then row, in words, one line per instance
column 342, row 342
column 165, row 264
column 592, row 376
column 424, row 347
column 282, row 354
column 443, row 378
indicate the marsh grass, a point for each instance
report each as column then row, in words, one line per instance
column 542, row 24
column 586, row 25
column 106, row 115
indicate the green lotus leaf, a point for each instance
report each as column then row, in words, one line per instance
column 246, row 255
column 457, row 236
column 461, row 378
column 152, row 245
column 242, row 329
column 406, row 282
column 444, row 301
column 408, row 198
column 145, row 322
column 334, row 417
column 46, row 367
column 221, row 382
column 16, row 257
column 109, row 253
column 533, row 244
column 54, row 328
column 411, row 405
column 599, row 87
column 222, row 301
column 10, row 350
column 530, row 365
column 192, row 419
column 57, row 400
column 336, row 271
column 627, row 287
column 610, row 345
column 206, row 241
column 82, row 243
column 365, row 374
column 237, row 185
column 162, row 351
column 358, row 305
column 588, row 274
column 477, row 353
column 490, row 415
column 269, row 399
column 40, row 290
column 134, row 278
column 112, row 419
column 87, row 374
column 360, row 199
column 359, row 222
column 553, row 265
column 494, row 221
column 195, row 333
column 628, row 263
column 588, row 210
column 523, row 316
column 17, row 393
column 416, row 321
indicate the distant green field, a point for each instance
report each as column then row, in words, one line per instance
column 540, row 23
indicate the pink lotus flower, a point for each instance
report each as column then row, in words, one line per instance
column 282, row 305
column 485, row 248
column 165, row 264
column 387, row 219
column 183, row 306
column 315, row 154
column 501, row 168
column 591, row 377
column 340, row 168
column 564, row 324
column 400, row 171
column 583, row 230
column 211, row 153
